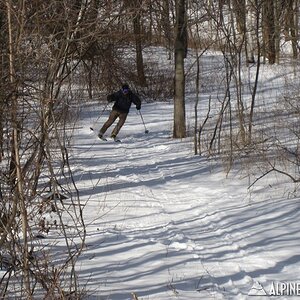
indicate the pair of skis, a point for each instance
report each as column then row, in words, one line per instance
column 104, row 139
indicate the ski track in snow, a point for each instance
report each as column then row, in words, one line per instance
column 165, row 224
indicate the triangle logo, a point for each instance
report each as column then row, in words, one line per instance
column 257, row 290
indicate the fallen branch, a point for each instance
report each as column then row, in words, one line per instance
column 274, row 170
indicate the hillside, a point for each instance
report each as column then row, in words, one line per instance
column 166, row 224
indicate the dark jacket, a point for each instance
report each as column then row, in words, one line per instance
column 123, row 102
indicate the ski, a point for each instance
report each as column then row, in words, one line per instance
column 102, row 138
column 115, row 139
column 106, row 140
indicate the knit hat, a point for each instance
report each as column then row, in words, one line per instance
column 125, row 87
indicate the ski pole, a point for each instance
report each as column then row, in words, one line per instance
column 146, row 130
column 99, row 116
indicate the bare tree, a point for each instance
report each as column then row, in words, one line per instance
column 138, row 43
column 268, row 19
column 179, row 130
column 16, row 170
column 291, row 27
column 39, row 55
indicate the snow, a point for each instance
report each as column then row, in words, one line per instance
column 165, row 224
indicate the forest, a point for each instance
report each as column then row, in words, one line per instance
column 57, row 55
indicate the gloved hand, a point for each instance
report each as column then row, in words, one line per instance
column 138, row 107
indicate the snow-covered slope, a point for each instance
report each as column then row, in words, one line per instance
column 165, row 224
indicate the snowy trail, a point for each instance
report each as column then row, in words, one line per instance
column 166, row 224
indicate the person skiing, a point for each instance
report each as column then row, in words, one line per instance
column 123, row 100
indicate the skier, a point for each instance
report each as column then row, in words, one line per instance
column 123, row 100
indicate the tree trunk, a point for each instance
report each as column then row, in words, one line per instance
column 134, row 8
column 292, row 24
column 166, row 23
column 269, row 30
column 179, row 130
column 139, row 49
column 249, row 32
column 18, row 193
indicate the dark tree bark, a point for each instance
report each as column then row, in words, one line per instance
column 269, row 30
column 179, row 130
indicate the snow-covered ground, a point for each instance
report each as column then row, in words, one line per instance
column 165, row 224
